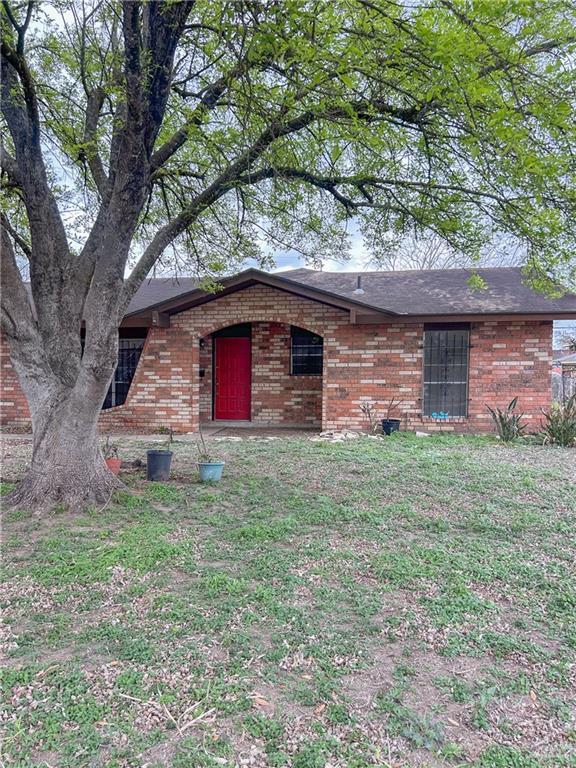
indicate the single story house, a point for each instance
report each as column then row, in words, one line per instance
column 309, row 348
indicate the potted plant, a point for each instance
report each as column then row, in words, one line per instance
column 210, row 468
column 110, row 452
column 390, row 425
column 159, row 461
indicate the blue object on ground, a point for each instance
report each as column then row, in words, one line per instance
column 210, row 471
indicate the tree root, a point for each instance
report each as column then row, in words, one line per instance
column 41, row 493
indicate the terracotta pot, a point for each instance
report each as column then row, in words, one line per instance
column 114, row 465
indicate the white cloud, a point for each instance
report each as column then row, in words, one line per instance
column 357, row 262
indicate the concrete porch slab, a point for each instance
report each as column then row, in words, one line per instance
column 249, row 430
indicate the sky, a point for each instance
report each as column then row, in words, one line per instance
column 359, row 259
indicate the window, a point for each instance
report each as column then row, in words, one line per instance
column 243, row 331
column 129, row 351
column 306, row 354
column 446, row 370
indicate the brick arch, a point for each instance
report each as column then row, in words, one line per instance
column 259, row 304
column 263, row 305
column 319, row 330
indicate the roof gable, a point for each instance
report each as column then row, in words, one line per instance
column 194, row 296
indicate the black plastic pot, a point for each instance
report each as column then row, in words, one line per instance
column 390, row 425
column 158, row 465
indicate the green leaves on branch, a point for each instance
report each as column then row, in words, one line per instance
column 461, row 113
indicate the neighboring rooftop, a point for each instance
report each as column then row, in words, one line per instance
column 565, row 358
column 426, row 292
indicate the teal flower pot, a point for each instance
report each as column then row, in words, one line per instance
column 210, row 471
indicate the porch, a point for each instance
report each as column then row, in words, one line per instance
column 261, row 374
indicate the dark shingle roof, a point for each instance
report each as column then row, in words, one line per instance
column 437, row 291
column 426, row 292
column 158, row 289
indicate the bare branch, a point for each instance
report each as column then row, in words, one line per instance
column 9, row 166
column 208, row 101
column 94, row 104
column 20, row 242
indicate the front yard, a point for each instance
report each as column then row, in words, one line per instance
column 400, row 602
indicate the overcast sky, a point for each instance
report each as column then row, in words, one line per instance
column 358, row 261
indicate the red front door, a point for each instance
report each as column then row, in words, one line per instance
column 232, row 379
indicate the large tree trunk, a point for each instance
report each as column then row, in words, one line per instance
column 67, row 467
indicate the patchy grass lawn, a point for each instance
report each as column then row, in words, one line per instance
column 398, row 602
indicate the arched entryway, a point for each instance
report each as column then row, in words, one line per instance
column 261, row 373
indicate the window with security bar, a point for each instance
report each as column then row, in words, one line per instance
column 306, row 353
column 129, row 352
column 446, row 353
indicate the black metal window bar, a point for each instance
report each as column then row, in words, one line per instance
column 129, row 352
column 306, row 353
column 446, row 353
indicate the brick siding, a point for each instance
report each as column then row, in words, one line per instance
column 508, row 358
column 14, row 411
column 376, row 363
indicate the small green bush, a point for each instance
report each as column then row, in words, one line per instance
column 508, row 422
column 560, row 423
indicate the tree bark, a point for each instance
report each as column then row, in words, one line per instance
column 67, row 468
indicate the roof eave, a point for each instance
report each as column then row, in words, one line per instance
column 480, row 315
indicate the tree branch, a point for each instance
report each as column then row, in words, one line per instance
column 15, row 69
column 230, row 177
column 330, row 184
column 212, row 94
column 20, row 242
column 162, row 26
column 504, row 66
column 226, row 181
column 17, row 316
column 20, row 28
column 18, row 322
column 535, row 50
column 9, row 165
column 56, row 292
column 94, row 103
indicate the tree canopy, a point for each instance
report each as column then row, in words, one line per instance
column 274, row 124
